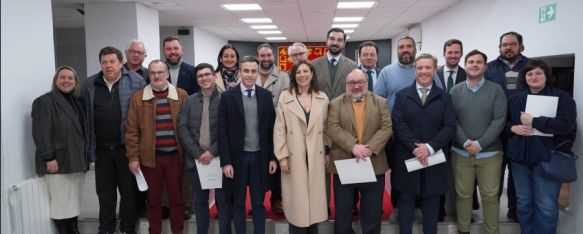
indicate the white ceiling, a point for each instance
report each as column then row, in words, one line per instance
column 298, row 20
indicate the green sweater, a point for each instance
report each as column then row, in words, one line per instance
column 481, row 115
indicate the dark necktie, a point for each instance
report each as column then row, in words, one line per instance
column 369, row 74
column 450, row 80
column 249, row 92
column 332, row 69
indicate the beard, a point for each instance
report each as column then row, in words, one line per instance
column 266, row 65
column 173, row 62
column 338, row 50
column 406, row 58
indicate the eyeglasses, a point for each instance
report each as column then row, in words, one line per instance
column 512, row 44
column 135, row 52
column 204, row 75
column 156, row 73
column 354, row 83
column 298, row 54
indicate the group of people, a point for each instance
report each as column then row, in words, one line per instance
column 282, row 131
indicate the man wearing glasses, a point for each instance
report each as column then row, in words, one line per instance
column 504, row 70
column 135, row 54
column 152, row 145
column 298, row 52
column 359, row 126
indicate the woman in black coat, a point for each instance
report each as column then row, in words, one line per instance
column 59, row 136
column 536, row 195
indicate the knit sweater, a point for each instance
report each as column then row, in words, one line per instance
column 481, row 115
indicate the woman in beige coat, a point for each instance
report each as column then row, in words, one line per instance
column 298, row 139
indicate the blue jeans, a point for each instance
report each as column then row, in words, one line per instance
column 201, row 207
column 537, row 208
column 250, row 173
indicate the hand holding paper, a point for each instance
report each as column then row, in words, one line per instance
column 413, row 164
column 352, row 172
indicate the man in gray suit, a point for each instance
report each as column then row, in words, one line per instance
column 332, row 69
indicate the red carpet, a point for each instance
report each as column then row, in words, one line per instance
column 387, row 208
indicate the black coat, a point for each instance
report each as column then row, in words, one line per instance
column 232, row 134
column 433, row 123
column 187, row 79
column 58, row 134
column 461, row 76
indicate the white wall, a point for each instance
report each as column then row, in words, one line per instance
column 28, row 64
column 148, row 32
column 186, row 40
column 207, row 46
column 479, row 24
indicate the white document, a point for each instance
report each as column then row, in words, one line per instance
column 211, row 175
column 141, row 180
column 352, row 172
column 537, row 105
column 413, row 164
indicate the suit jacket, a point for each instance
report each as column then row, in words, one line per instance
column 232, row 134
column 461, row 76
column 433, row 123
column 341, row 130
column 187, row 79
column 343, row 67
column 58, row 134
column 276, row 82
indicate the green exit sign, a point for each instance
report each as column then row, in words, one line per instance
column 547, row 13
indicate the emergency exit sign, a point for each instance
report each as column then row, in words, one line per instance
column 547, row 13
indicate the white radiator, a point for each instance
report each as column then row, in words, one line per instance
column 29, row 208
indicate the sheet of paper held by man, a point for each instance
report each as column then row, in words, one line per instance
column 537, row 105
column 141, row 181
column 211, row 175
column 413, row 164
column 352, row 172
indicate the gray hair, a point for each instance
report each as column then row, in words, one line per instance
column 136, row 41
column 296, row 44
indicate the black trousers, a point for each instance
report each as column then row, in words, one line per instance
column 312, row 229
column 275, row 186
column 371, row 204
column 112, row 173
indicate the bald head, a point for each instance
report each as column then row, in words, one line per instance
column 356, row 84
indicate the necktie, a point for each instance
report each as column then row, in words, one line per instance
column 370, row 84
column 450, row 81
column 423, row 95
column 249, row 92
column 332, row 68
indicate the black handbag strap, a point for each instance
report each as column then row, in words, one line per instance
column 562, row 143
column 573, row 155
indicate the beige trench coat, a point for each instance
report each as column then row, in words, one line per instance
column 304, row 188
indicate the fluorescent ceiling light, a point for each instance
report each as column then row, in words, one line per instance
column 242, row 7
column 271, row 26
column 348, row 30
column 276, row 38
column 354, row 5
column 270, row 32
column 344, row 25
column 347, row 19
column 256, row 20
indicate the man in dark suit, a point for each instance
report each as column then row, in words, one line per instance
column 246, row 144
column 424, row 122
column 181, row 73
column 368, row 56
column 451, row 74
column 333, row 68
column 359, row 126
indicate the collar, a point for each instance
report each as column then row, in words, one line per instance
column 244, row 90
column 446, row 69
column 418, row 87
column 149, row 92
column 404, row 66
column 268, row 71
column 170, row 66
column 363, row 99
column 477, row 86
column 373, row 70
column 337, row 57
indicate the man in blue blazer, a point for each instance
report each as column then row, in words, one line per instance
column 246, row 117
column 181, row 74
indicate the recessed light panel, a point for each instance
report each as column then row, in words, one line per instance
column 276, row 38
column 269, row 32
column 256, row 20
column 354, row 5
column 242, row 7
column 344, row 25
column 347, row 19
column 271, row 26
